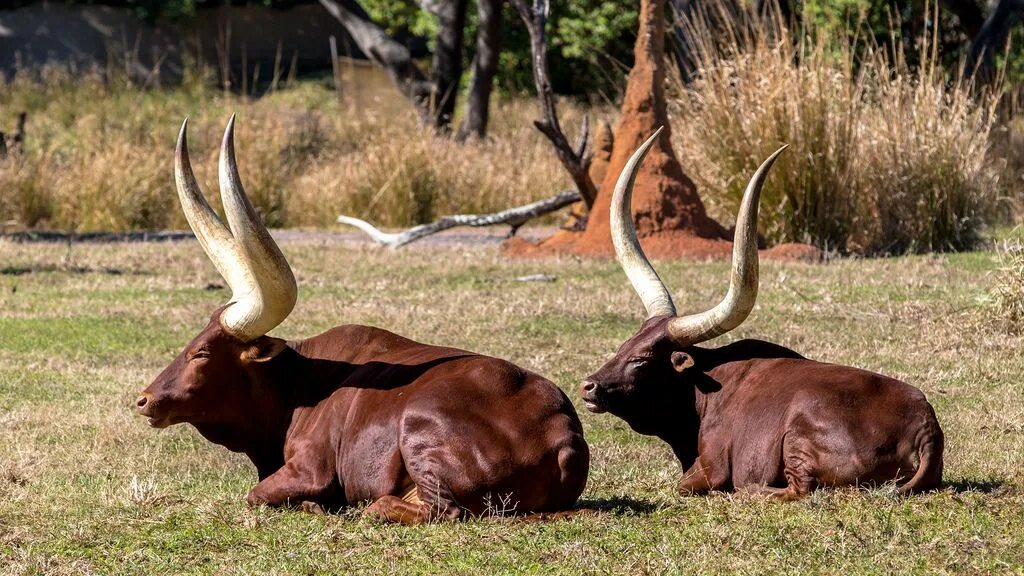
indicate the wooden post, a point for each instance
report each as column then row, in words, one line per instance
column 336, row 67
column 277, row 68
column 245, row 71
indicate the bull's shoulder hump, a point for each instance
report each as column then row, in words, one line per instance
column 356, row 342
column 751, row 349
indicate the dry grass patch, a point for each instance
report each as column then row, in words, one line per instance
column 85, row 486
column 99, row 156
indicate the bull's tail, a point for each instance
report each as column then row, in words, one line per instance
column 929, row 468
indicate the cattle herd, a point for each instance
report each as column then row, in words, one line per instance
column 420, row 432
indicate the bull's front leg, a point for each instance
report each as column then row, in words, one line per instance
column 300, row 482
column 702, row 477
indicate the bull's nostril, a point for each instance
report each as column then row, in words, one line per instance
column 141, row 402
column 588, row 386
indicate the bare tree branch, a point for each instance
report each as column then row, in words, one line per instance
column 535, row 17
column 383, row 50
column 992, row 39
column 514, row 217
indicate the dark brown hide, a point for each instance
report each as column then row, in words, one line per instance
column 759, row 417
column 359, row 414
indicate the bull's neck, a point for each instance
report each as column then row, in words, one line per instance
column 295, row 383
column 679, row 424
column 260, row 430
column 679, row 418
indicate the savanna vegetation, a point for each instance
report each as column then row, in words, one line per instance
column 895, row 150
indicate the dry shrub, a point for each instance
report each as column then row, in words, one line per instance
column 99, row 156
column 1009, row 287
column 400, row 175
column 25, row 200
column 882, row 158
column 1008, row 144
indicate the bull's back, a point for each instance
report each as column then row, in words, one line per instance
column 861, row 426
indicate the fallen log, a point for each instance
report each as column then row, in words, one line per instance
column 514, row 217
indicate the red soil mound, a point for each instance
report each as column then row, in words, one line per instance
column 794, row 252
column 670, row 218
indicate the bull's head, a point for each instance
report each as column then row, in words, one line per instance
column 213, row 377
column 634, row 380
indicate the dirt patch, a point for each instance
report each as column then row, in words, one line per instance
column 666, row 245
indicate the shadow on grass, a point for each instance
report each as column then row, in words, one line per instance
column 36, row 269
column 981, row 486
column 619, row 506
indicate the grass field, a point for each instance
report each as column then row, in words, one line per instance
column 86, row 487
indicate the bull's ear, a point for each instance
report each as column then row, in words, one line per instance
column 264, row 349
column 681, row 361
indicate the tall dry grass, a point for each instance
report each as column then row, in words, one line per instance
column 882, row 158
column 99, row 155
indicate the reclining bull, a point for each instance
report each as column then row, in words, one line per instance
column 752, row 415
column 356, row 414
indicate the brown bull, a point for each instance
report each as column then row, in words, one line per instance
column 752, row 415
column 356, row 414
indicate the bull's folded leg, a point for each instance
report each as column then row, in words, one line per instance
column 411, row 509
column 394, row 509
column 293, row 485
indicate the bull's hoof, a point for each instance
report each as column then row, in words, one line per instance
column 312, row 507
column 253, row 501
column 394, row 509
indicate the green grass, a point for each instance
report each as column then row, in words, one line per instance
column 87, row 487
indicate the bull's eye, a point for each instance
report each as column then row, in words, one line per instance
column 639, row 362
column 200, row 353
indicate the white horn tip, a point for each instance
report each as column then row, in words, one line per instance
column 778, row 152
column 229, row 133
column 646, row 146
column 182, row 148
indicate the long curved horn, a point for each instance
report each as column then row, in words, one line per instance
column 739, row 301
column 212, row 235
column 262, row 285
column 271, row 297
column 645, row 280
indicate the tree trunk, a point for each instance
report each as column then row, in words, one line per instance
column 447, row 61
column 485, row 66
column 991, row 39
column 968, row 12
column 384, row 51
column 573, row 159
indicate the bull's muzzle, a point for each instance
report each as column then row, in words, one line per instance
column 146, row 406
column 588, row 391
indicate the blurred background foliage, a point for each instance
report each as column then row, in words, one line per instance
column 591, row 41
column 893, row 148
